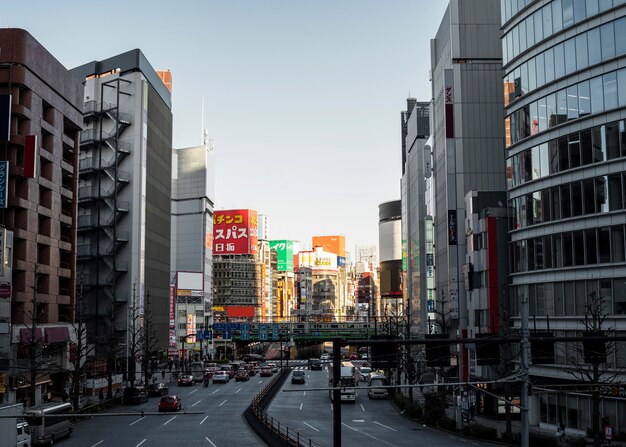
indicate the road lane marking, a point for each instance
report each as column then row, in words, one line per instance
column 331, row 406
column 210, row 442
column 222, row 403
column 100, row 442
column 301, row 405
column 133, row 423
column 202, row 421
column 215, row 391
column 358, row 420
column 304, row 394
column 386, row 426
column 368, row 435
column 193, row 391
column 308, row 425
column 237, row 392
column 196, row 403
column 260, row 381
column 140, row 443
column 362, row 407
column 169, row 420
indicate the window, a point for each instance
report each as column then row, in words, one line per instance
column 530, row 31
column 558, row 299
column 551, row 109
column 566, row 203
column 617, row 247
column 572, row 102
column 561, row 105
column 612, row 134
column 621, row 87
column 597, row 95
column 609, row 82
column 608, row 41
column 557, row 249
column 579, row 10
column 545, row 205
column 553, row 154
column 568, row 13
column 555, row 203
column 557, row 19
column 585, row 147
column 579, row 248
column 592, row 7
column 567, row 250
column 541, row 71
column 615, row 192
column 574, row 151
column 532, row 75
column 588, row 197
column 591, row 247
column 584, row 99
column 570, row 56
column 563, row 154
column 582, row 57
column 577, row 199
column 602, row 205
column 549, row 63
column 599, row 145
column 619, row 295
column 593, row 43
column 547, row 21
column 538, row 18
column 543, row 114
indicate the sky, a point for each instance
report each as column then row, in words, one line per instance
column 302, row 98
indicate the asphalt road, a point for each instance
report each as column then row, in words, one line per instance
column 367, row 422
column 220, row 423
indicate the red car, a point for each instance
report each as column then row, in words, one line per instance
column 242, row 375
column 170, row 403
column 266, row 372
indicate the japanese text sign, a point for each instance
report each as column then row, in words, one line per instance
column 235, row 232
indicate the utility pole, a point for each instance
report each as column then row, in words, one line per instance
column 336, row 393
column 524, row 346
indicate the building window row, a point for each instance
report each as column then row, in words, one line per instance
column 581, row 198
column 573, row 248
column 594, row 145
column 570, row 298
column 551, row 19
column 595, row 95
column 582, row 51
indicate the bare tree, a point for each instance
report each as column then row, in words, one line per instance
column 81, row 350
column 148, row 339
column 134, row 336
column 591, row 364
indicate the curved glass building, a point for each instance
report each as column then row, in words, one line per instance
column 565, row 106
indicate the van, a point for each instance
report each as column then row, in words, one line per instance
column 374, row 381
column 46, row 430
column 23, row 435
column 135, row 395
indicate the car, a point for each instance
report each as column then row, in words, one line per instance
column 186, row 380
column 266, row 372
column 221, row 377
column 135, row 395
column 228, row 369
column 251, row 370
column 242, row 375
column 158, row 389
column 298, row 376
column 325, row 357
column 363, row 373
column 170, row 403
column 273, row 366
column 354, row 357
column 315, row 364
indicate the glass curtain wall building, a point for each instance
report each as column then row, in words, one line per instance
column 565, row 101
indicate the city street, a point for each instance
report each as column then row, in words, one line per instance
column 367, row 422
column 220, row 424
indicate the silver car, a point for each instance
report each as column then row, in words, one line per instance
column 221, row 377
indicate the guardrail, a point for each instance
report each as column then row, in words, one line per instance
column 270, row 430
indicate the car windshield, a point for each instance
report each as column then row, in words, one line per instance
column 377, row 382
column 366, row 370
column 298, row 373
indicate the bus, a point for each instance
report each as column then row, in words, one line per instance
column 49, row 422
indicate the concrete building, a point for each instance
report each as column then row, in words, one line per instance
column 390, row 249
column 41, row 109
column 415, row 132
column 124, row 194
column 466, row 71
column 193, row 199
column 565, row 105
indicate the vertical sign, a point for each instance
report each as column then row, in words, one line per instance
column 452, row 228
column 4, row 183
column 5, row 117
column 191, row 328
column 172, row 337
column 235, row 232
column 449, row 102
column 31, row 154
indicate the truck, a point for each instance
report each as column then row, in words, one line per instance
column 346, row 382
column 9, row 424
column 197, row 371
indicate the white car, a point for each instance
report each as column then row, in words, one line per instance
column 325, row 356
column 221, row 377
column 273, row 366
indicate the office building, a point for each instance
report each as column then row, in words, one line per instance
column 467, row 152
column 193, row 199
column 41, row 109
column 565, row 105
column 124, row 195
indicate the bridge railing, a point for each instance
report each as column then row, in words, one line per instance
column 280, row 434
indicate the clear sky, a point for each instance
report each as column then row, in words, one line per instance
column 303, row 98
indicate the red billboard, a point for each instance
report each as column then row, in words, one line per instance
column 235, row 232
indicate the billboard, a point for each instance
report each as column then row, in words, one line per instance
column 284, row 255
column 318, row 260
column 333, row 244
column 191, row 328
column 172, row 331
column 235, row 232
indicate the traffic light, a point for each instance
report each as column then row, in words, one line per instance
column 542, row 351
column 487, row 351
column 594, row 351
column 438, row 353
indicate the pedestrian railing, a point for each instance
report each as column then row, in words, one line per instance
column 280, row 432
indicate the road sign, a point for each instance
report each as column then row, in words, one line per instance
column 226, row 334
column 263, row 332
column 219, row 326
column 208, row 335
column 199, row 335
column 263, row 336
column 245, row 335
column 275, row 335
column 234, row 326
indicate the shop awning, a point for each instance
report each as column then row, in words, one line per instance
column 26, row 335
column 58, row 334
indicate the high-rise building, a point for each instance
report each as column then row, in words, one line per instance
column 193, row 199
column 415, row 131
column 565, row 105
column 390, row 248
column 466, row 71
column 41, row 110
column 124, row 195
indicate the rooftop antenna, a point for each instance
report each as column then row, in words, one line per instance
column 207, row 141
